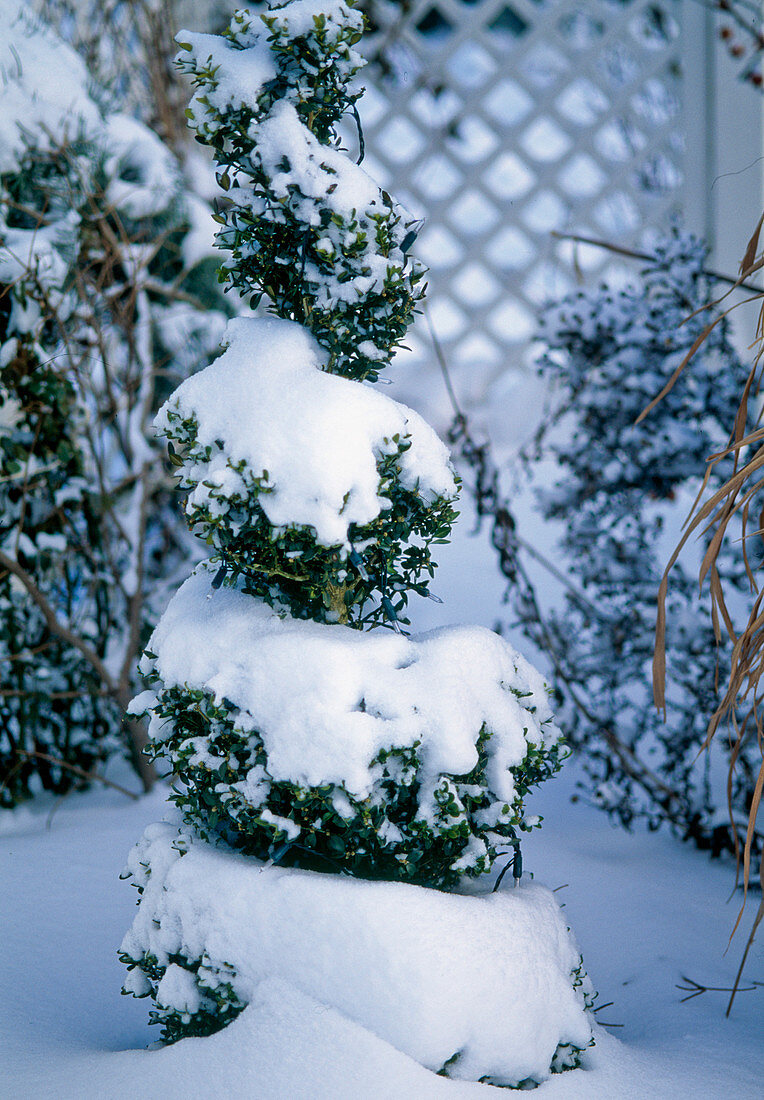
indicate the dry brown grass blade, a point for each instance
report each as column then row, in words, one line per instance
column 740, row 283
column 743, row 654
column 755, row 436
column 744, row 541
column 757, row 265
column 752, row 248
column 659, row 655
column 715, row 614
column 740, row 729
column 749, row 943
column 719, row 602
column 700, row 340
column 747, row 873
column 743, row 667
column 742, row 506
column 729, row 491
column 711, row 519
column 741, row 418
column 700, row 493
column 712, row 550
column 755, row 804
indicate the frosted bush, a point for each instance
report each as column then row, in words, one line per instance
column 623, row 488
column 304, row 225
column 294, row 735
column 92, row 214
column 386, row 756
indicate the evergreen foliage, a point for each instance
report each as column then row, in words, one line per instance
column 314, row 743
column 286, row 565
column 383, row 835
column 621, row 490
column 334, row 260
column 92, row 229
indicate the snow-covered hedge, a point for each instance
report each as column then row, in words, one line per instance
column 481, row 988
column 93, row 266
column 49, row 694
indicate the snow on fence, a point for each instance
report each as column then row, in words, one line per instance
column 507, row 121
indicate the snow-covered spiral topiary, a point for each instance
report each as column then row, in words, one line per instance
column 315, row 744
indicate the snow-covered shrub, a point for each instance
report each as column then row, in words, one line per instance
column 304, row 225
column 387, row 756
column 293, row 734
column 481, row 983
column 622, row 489
column 93, row 224
column 367, row 477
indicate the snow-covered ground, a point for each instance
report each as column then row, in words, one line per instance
column 647, row 912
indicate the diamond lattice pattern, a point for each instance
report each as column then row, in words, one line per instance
column 504, row 122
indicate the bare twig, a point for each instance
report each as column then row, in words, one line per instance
column 81, row 772
column 54, row 624
column 694, row 989
column 635, row 254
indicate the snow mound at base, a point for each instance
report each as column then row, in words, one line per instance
column 285, row 1044
column 482, row 984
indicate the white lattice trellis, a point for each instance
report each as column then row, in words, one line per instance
column 502, row 121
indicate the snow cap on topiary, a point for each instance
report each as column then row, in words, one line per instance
column 314, row 440
column 392, row 756
column 304, row 225
column 301, row 51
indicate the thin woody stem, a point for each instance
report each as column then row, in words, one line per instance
column 82, row 772
column 634, row 254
